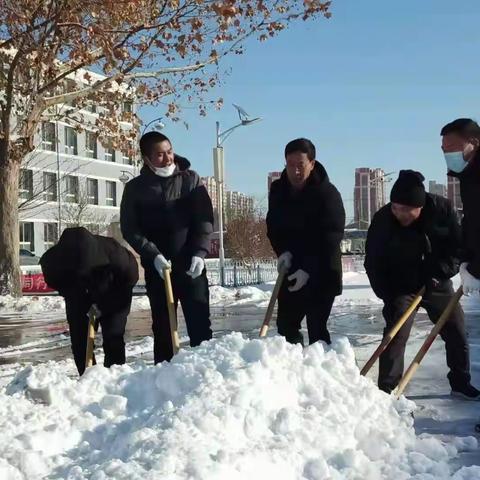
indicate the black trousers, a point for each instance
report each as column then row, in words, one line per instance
column 294, row 306
column 193, row 295
column 453, row 334
column 114, row 309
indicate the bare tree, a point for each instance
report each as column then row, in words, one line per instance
column 246, row 238
column 83, row 213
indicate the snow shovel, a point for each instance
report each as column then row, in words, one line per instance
column 172, row 316
column 271, row 303
column 92, row 314
column 394, row 330
column 428, row 342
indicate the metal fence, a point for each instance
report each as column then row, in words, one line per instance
column 237, row 274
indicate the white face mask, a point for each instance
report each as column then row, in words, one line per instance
column 164, row 171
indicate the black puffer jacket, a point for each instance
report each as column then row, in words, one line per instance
column 172, row 216
column 400, row 260
column 470, row 193
column 309, row 224
column 81, row 260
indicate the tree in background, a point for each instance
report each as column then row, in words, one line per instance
column 60, row 56
column 246, row 238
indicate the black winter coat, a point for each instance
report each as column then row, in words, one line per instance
column 309, row 224
column 172, row 216
column 470, row 194
column 400, row 260
column 81, row 260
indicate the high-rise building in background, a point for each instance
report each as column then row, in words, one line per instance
column 272, row 176
column 369, row 195
column 437, row 188
column 238, row 203
column 234, row 203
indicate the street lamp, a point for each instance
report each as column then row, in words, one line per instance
column 158, row 126
column 126, row 176
column 219, row 173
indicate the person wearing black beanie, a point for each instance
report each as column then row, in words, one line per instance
column 409, row 189
column 414, row 241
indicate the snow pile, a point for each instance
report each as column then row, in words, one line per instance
column 258, row 295
column 31, row 304
column 229, row 409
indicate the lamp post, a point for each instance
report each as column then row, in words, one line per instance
column 219, row 173
column 158, row 126
column 126, row 176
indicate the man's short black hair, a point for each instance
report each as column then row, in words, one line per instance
column 465, row 127
column 302, row 145
column 149, row 139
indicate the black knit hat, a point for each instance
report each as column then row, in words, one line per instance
column 409, row 189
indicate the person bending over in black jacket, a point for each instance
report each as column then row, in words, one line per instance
column 414, row 241
column 88, row 270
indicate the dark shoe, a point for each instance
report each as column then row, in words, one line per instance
column 467, row 392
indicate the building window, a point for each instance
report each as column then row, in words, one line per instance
column 50, row 235
column 48, row 136
column 126, row 159
column 69, row 85
column 50, row 187
column 71, row 141
column 26, row 185
column 127, row 107
column 26, row 236
column 71, row 190
column 111, row 195
column 109, row 154
column 90, row 145
column 90, row 107
column 92, row 191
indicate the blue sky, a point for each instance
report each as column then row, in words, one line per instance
column 371, row 87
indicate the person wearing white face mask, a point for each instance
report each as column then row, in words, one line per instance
column 461, row 148
column 166, row 215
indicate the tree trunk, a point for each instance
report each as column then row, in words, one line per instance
column 9, row 232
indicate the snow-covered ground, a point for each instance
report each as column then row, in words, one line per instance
column 356, row 290
column 236, row 408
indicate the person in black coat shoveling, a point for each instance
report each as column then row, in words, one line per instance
column 88, row 270
column 305, row 224
column 414, row 241
column 166, row 215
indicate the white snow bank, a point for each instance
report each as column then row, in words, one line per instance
column 229, row 409
column 31, row 304
column 257, row 295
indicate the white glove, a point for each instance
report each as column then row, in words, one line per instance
column 301, row 277
column 160, row 263
column 97, row 312
column 284, row 261
column 470, row 284
column 196, row 268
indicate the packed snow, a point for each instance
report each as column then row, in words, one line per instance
column 231, row 408
column 235, row 408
